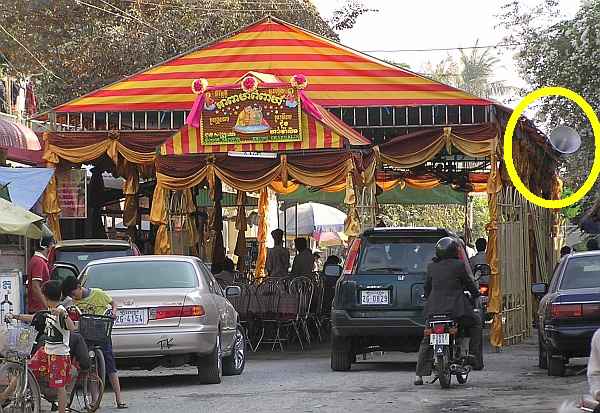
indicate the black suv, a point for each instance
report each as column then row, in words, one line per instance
column 378, row 300
column 569, row 312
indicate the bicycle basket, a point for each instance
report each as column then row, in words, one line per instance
column 21, row 339
column 95, row 329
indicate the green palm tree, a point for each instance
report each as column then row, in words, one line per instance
column 477, row 69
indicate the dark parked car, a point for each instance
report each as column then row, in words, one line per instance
column 79, row 252
column 378, row 300
column 569, row 311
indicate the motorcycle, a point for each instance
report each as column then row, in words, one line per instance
column 450, row 350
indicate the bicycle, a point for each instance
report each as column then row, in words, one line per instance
column 25, row 395
column 96, row 331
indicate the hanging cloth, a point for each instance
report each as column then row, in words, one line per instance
column 30, row 99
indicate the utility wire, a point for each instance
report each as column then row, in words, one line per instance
column 441, row 49
column 29, row 51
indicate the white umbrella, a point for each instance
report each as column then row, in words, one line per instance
column 313, row 217
column 18, row 221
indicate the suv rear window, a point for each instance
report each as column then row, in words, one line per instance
column 394, row 254
column 81, row 256
column 581, row 272
column 141, row 275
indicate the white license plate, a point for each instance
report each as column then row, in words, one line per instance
column 137, row 317
column 375, row 297
column 439, row 339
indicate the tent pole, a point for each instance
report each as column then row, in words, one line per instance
column 296, row 218
column 284, row 225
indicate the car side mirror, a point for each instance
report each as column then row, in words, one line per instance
column 62, row 270
column 539, row 289
column 233, row 291
column 332, row 270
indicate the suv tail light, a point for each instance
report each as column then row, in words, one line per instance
column 483, row 290
column 352, row 257
column 566, row 310
column 176, row 312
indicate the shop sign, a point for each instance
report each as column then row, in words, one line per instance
column 265, row 115
column 72, row 193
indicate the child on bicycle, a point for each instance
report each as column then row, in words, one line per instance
column 53, row 359
column 96, row 301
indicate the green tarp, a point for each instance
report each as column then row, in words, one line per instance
column 443, row 194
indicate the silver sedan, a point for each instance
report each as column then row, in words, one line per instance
column 171, row 312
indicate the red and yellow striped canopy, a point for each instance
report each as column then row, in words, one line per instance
column 327, row 133
column 337, row 75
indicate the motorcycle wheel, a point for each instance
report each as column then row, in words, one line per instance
column 443, row 371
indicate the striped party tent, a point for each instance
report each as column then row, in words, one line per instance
column 339, row 76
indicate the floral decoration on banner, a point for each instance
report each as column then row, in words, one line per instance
column 249, row 84
column 199, row 86
column 299, row 81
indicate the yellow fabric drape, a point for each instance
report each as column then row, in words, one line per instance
column 130, row 190
column 494, row 186
column 111, row 146
column 50, row 204
column 159, row 216
column 446, row 140
column 263, row 203
column 190, row 222
column 352, row 222
column 241, row 251
column 177, row 184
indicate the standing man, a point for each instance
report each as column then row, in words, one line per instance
column 304, row 262
column 278, row 257
column 37, row 274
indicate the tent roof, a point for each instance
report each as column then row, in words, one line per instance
column 337, row 75
column 441, row 195
column 18, row 221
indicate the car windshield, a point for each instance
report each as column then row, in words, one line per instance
column 391, row 255
column 581, row 272
column 141, row 275
column 80, row 257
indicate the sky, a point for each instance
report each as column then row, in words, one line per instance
column 425, row 24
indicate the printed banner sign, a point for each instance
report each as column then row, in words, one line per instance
column 265, row 115
column 72, row 193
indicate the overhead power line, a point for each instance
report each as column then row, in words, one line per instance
column 442, row 49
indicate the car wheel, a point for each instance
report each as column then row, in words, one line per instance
column 542, row 358
column 341, row 354
column 233, row 365
column 556, row 364
column 210, row 368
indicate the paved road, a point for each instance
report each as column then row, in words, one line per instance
column 303, row 382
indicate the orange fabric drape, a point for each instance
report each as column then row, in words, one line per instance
column 130, row 190
column 429, row 183
column 494, row 186
column 263, row 203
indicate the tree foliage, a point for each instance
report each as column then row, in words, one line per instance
column 446, row 216
column 472, row 72
column 556, row 51
column 76, row 46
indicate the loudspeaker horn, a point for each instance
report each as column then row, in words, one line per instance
column 565, row 140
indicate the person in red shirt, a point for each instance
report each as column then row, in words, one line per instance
column 38, row 273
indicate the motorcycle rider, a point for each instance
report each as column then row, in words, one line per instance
column 447, row 279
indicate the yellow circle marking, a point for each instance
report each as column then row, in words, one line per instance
column 508, row 155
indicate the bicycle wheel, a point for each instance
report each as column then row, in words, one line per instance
column 93, row 386
column 31, row 401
